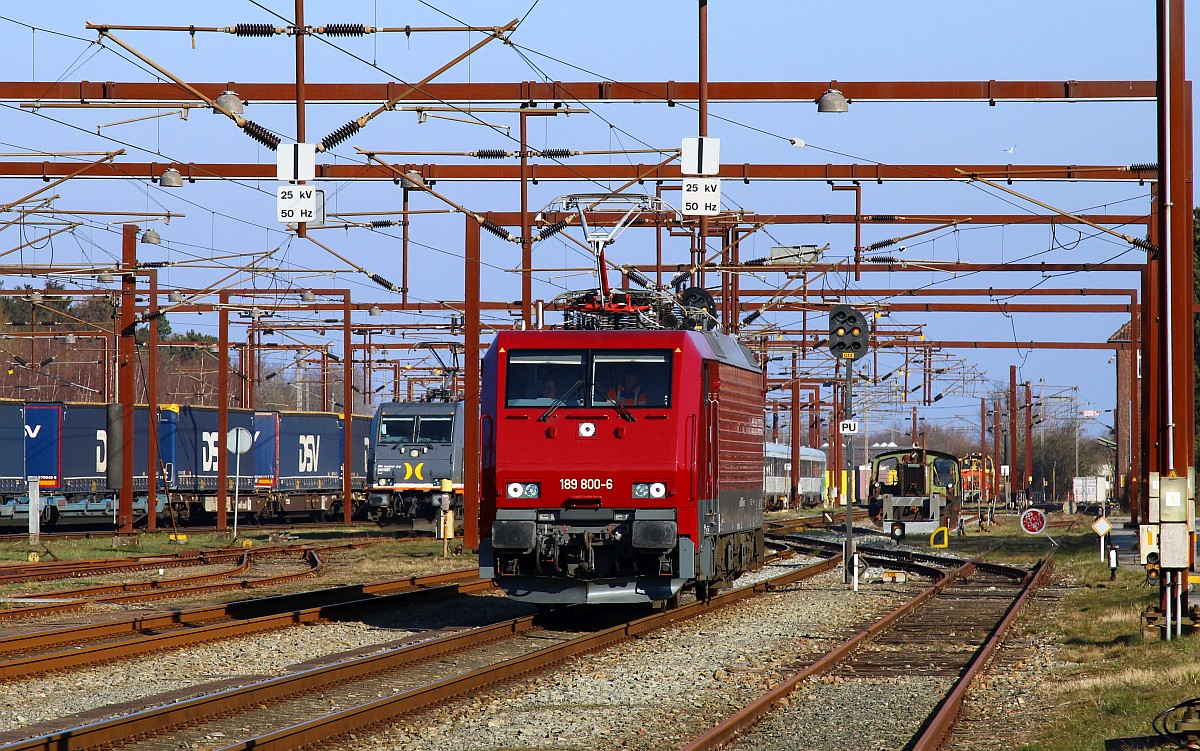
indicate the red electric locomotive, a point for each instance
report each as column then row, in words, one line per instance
column 620, row 466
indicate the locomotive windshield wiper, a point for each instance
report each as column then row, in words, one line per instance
column 560, row 401
column 624, row 412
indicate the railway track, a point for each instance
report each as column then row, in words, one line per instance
column 944, row 636
column 51, row 649
column 372, row 689
column 30, row 572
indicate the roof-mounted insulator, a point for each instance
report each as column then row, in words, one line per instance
column 343, row 29
column 261, row 134
column 557, row 153
column 491, row 154
column 339, row 135
column 255, row 30
column 550, row 230
column 1144, row 167
column 1144, row 244
column 637, row 277
column 497, row 230
column 880, row 244
column 679, row 278
column 382, row 282
column 881, row 218
column 381, row 223
column 883, row 259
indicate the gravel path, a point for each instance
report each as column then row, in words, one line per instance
column 656, row 691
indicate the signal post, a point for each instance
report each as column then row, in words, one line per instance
column 849, row 338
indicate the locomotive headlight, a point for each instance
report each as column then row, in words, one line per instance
column 524, row 490
column 641, row 490
column 658, row 489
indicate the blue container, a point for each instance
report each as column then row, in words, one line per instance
column 309, row 445
column 12, row 448
column 190, row 444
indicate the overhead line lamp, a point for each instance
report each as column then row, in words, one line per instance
column 231, row 102
column 308, row 296
column 151, row 237
column 171, row 178
column 376, row 310
column 833, row 101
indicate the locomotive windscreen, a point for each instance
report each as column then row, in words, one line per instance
column 435, row 429
column 416, row 429
column 638, row 378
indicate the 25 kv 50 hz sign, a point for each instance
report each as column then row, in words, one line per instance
column 296, row 203
column 701, row 196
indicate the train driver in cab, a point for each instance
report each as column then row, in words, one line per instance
column 628, row 393
column 549, row 389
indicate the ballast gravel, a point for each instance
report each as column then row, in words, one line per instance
column 170, row 676
column 657, row 691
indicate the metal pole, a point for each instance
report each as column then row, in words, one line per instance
column 126, row 368
column 850, row 556
column 471, row 431
column 301, row 227
column 348, row 411
column 35, row 511
column 526, row 231
column 237, row 476
column 152, row 409
column 1029, row 441
column 1012, row 426
column 222, row 412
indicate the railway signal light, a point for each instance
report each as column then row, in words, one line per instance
column 848, row 333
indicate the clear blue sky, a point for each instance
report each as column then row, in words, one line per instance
column 632, row 42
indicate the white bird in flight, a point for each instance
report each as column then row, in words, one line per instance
column 1010, row 149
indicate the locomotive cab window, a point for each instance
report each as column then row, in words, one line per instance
column 435, row 429
column 538, row 379
column 632, row 379
column 629, row 378
column 397, row 429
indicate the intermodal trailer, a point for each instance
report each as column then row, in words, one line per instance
column 69, row 448
column 189, row 443
column 13, row 483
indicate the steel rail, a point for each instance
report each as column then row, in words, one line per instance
column 236, row 609
column 24, row 573
column 942, row 720
column 155, row 720
column 724, row 732
column 182, row 587
column 138, row 646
